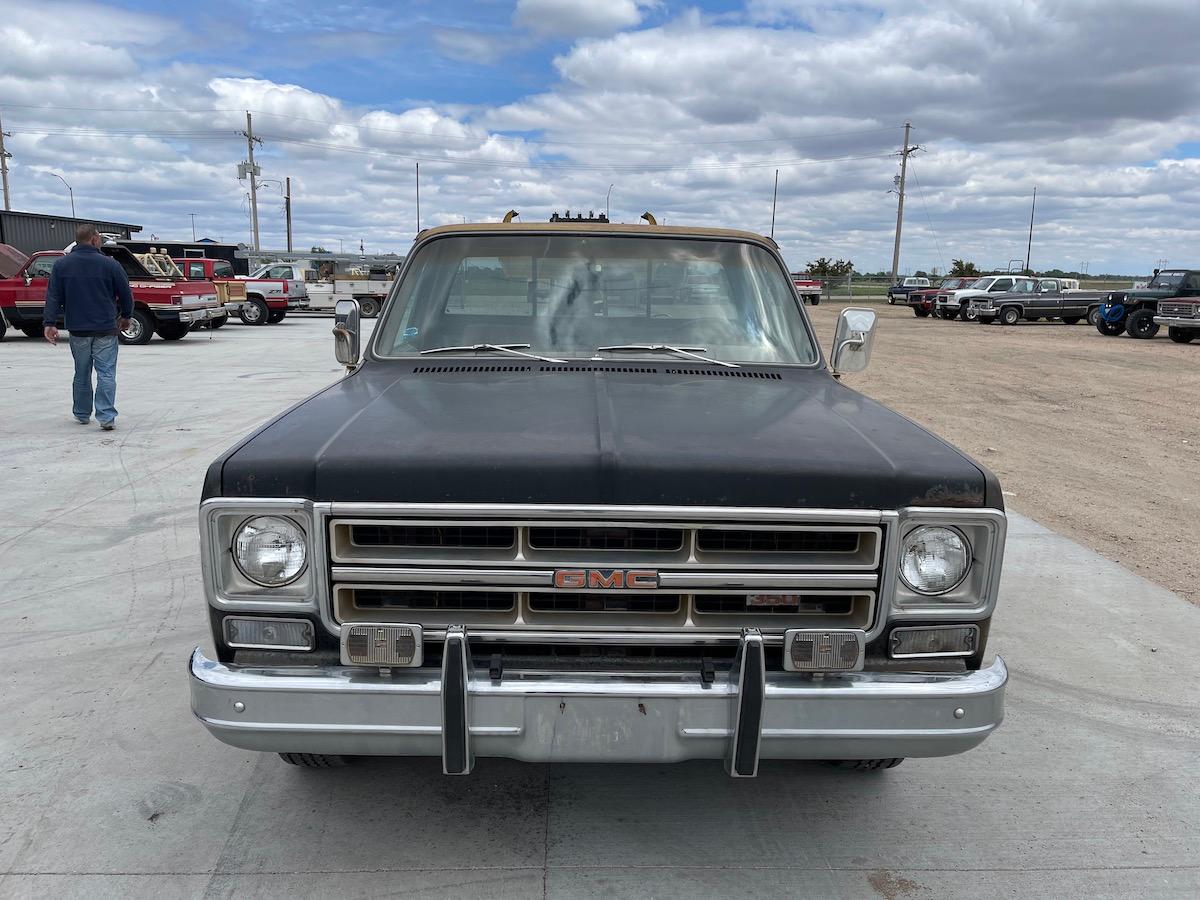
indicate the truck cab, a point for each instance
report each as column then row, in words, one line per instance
column 231, row 290
column 902, row 288
column 1033, row 299
column 1136, row 311
column 953, row 304
column 161, row 304
column 564, row 508
column 271, row 291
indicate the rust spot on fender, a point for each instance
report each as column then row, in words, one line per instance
column 947, row 495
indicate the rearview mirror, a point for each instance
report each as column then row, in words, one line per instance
column 346, row 333
column 852, row 341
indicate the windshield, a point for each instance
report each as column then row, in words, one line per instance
column 1167, row 279
column 567, row 295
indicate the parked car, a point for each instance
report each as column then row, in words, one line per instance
column 953, row 304
column 559, row 509
column 1135, row 310
column 807, row 287
column 161, row 305
column 1181, row 315
column 902, row 288
column 271, row 291
column 921, row 301
column 231, row 290
column 1042, row 298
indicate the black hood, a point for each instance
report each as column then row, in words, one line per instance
column 650, row 433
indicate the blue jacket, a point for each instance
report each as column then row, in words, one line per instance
column 88, row 285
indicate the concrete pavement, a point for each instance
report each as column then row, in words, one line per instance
column 109, row 788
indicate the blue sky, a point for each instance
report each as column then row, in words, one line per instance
column 684, row 108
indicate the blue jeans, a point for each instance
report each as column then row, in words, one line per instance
column 99, row 353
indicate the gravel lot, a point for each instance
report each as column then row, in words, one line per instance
column 1094, row 437
column 109, row 788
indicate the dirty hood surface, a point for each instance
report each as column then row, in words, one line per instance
column 619, row 434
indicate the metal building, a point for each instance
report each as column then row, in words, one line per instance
column 30, row 232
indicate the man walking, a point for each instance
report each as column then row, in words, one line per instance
column 87, row 286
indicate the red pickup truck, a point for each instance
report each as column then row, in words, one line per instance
column 161, row 305
column 807, row 287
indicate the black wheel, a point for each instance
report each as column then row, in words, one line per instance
column 815, row 301
column 32, row 331
column 1110, row 329
column 866, row 765
column 1010, row 315
column 172, row 331
column 3, row 326
column 314, row 760
column 920, row 313
column 1093, row 316
column 276, row 315
column 1181, row 335
column 1071, row 320
column 219, row 321
column 968, row 314
column 140, row 330
column 368, row 307
column 254, row 311
column 891, row 300
column 1141, row 324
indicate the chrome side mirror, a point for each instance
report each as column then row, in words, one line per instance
column 346, row 345
column 852, row 341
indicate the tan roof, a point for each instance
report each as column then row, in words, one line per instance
column 597, row 228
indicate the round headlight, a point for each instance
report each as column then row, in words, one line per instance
column 269, row 550
column 935, row 559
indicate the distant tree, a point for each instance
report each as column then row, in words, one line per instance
column 820, row 266
column 963, row 267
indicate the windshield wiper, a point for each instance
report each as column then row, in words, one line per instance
column 691, row 352
column 510, row 349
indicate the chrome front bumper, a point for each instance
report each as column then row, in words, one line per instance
column 203, row 314
column 457, row 713
column 1176, row 322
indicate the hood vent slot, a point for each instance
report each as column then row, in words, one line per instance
column 727, row 373
column 436, row 370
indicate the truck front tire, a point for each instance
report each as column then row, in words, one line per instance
column 254, row 311
column 140, row 330
column 1010, row 315
column 1141, row 324
column 1181, row 335
column 368, row 307
column 172, row 331
column 275, row 316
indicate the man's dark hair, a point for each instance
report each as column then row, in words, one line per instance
column 84, row 233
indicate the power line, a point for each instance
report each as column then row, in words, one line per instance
column 928, row 218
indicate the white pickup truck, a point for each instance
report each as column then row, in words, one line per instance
column 271, row 291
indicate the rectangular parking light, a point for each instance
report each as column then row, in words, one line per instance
column 934, row 640
column 381, row 645
column 260, row 633
column 822, row 651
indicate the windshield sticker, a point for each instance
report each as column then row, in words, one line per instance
column 411, row 332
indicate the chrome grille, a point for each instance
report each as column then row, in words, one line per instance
column 494, row 573
column 1178, row 310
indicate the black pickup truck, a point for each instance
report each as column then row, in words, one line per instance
column 1039, row 298
column 592, row 493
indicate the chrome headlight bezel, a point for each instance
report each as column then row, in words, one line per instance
column 975, row 595
column 226, row 585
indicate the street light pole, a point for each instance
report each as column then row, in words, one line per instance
column 69, row 191
column 607, row 198
column 193, row 217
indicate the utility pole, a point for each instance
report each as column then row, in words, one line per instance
column 418, row 198
column 1029, row 246
column 253, row 169
column 774, row 197
column 193, row 216
column 287, row 210
column 4, row 157
column 904, row 152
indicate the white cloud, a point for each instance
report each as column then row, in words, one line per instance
column 577, row 18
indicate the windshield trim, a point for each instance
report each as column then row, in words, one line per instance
column 373, row 353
